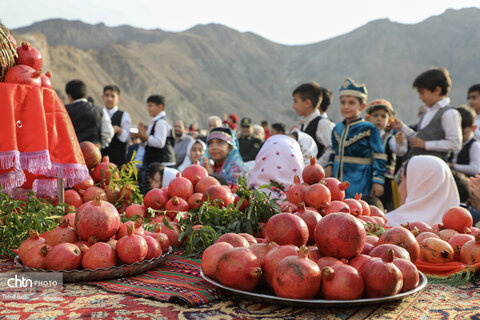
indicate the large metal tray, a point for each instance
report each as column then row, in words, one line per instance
column 85, row 275
column 268, row 296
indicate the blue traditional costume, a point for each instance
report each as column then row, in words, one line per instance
column 358, row 154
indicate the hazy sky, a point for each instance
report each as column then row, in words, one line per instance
column 286, row 22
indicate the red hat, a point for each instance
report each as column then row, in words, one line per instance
column 234, row 117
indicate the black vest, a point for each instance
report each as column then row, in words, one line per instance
column 87, row 121
column 163, row 155
column 311, row 130
column 463, row 156
column 116, row 149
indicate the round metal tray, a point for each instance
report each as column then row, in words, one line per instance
column 84, row 275
column 267, row 295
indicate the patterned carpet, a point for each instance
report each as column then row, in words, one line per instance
column 437, row 301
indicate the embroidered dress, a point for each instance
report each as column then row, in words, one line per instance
column 358, row 156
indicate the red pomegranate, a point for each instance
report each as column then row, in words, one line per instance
column 46, row 82
column 417, row 227
column 340, row 235
column 318, row 196
column 234, row 239
column 211, row 256
column 161, row 237
column 337, row 188
column 273, row 257
column 176, row 205
column 376, row 212
column 35, row 257
column 402, row 238
column 446, row 234
column 311, row 218
column 239, row 268
column 367, row 219
column 287, row 206
column 398, row 252
column 173, row 234
column 73, row 198
column 91, row 192
column 410, row 274
column 381, row 277
column 88, row 243
column 102, row 171
column 237, row 199
column 62, row 233
column 250, row 239
column 156, row 199
column 470, row 252
column 341, row 282
column 436, row 251
column 367, row 248
column 132, row 248
column 296, row 192
column 195, row 173
column 29, row 243
column 355, row 207
column 327, row 262
column 154, row 248
column 359, row 260
column 457, row 218
column 137, row 226
column 195, row 200
column 313, row 173
column 261, row 250
column 425, row 235
column 218, row 194
column 286, row 228
column 84, row 185
column 337, row 206
column 313, row 253
column 205, row 183
column 379, row 220
column 457, row 242
column 364, row 204
column 297, row 277
column 23, row 74
column 97, row 218
column 91, row 154
column 63, row 256
column 29, row 56
column 136, row 210
column 99, row 255
column 180, row 187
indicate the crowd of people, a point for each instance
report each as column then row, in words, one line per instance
column 415, row 172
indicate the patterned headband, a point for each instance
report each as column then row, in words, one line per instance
column 221, row 136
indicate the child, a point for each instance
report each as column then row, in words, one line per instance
column 438, row 131
column 474, row 102
column 307, row 99
column 159, row 135
column 156, row 177
column 358, row 154
column 467, row 160
column 379, row 112
column 195, row 151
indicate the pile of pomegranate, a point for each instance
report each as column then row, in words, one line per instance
column 28, row 67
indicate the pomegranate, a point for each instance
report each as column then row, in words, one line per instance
column 410, row 274
column 375, row 211
column 359, row 260
column 311, row 218
column 402, row 238
column 137, row 225
column 237, row 199
column 436, row 251
column 379, row 220
column 341, row 282
column 340, row 235
column 287, row 206
column 136, row 210
column 180, row 187
column 337, row 188
column 99, row 255
column 29, row 56
column 327, row 262
column 46, row 82
column 318, row 196
column 457, row 242
column 33, row 240
column 355, row 207
column 112, row 192
column 234, row 239
column 63, row 256
column 457, row 218
column 91, row 192
column 205, row 183
column 474, row 231
column 239, row 268
column 251, row 239
column 132, row 248
column 91, row 154
column 62, row 233
column 102, row 171
column 112, row 243
column 470, row 252
column 337, row 206
column 161, row 237
column 313, row 173
column 154, row 248
column 176, row 205
column 367, row 248
column 195, row 173
column 211, row 256
column 261, row 250
column 297, row 277
column 364, row 204
column 286, row 228
column 84, row 185
column 417, row 227
column 273, row 257
column 97, row 218
column 371, row 239
column 446, row 234
column 172, row 234
column 23, row 74
column 398, row 252
column 219, row 194
column 195, row 200
column 381, row 277
column 367, row 219
column 73, row 198
column 313, row 253
column 156, row 199
column 437, row 227
column 296, row 192
column 35, row 257
column 425, row 235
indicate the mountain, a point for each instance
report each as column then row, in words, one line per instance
column 212, row 69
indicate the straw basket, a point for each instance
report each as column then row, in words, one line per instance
column 7, row 52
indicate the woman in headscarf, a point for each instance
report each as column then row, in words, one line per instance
column 427, row 190
column 307, row 145
column 222, row 148
column 195, row 151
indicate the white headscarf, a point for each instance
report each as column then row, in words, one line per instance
column 307, row 145
column 168, row 175
column 188, row 161
column 279, row 160
column 431, row 190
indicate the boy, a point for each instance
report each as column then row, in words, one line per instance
column 158, row 136
column 438, row 131
column 307, row 99
column 121, row 123
column 474, row 102
column 467, row 160
column 358, row 155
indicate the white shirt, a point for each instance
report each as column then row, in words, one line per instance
column 162, row 130
column 477, row 123
column 473, row 167
column 451, row 124
column 125, row 123
column 323, row 134
column 106, row 129
column 399, row 149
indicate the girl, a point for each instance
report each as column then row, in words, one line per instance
column 195, row 151
column 157, row 176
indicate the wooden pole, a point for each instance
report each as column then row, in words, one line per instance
column 61, row 189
